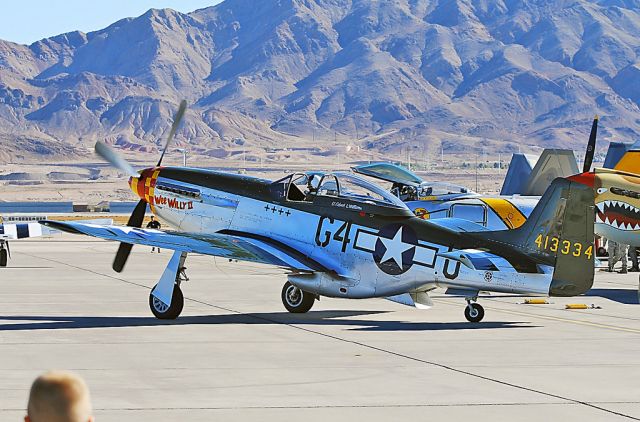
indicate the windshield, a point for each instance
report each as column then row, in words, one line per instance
column 437, row 189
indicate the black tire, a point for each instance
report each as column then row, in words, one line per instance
column 296, row 300
column 474, row 312
column 162, row 311
column 4, row 255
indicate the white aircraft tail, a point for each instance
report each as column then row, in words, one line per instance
column 522, row 179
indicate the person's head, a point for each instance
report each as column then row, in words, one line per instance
column 151, row 218
column 59, row 396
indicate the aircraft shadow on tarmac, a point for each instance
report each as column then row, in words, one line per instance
column 318, row 318
column 625, row 296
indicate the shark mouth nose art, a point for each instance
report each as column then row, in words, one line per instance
column 618, row 214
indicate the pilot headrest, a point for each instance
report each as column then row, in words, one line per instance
column 314, row 181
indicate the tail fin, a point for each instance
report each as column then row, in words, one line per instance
column 615, row 153
column 559, row 232
column 521, row 179
column 553, row 163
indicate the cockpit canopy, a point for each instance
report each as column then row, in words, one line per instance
column 389, row 172
column 307, row 186
column 407, row 185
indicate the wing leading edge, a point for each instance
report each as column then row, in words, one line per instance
column 237, row 246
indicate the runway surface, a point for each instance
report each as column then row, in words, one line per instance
column 235, row 354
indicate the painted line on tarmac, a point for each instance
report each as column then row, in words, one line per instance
column 431, row 363
column 378, row 349
column 551, row 318
column 338, row 406
column 328, row 406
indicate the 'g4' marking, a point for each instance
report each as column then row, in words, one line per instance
column 341, row 235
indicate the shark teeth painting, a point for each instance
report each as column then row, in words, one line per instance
column 618, row 214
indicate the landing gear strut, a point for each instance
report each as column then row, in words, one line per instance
column 296, row 300
column 166, row 299
column 4, row 254
column 474, row 312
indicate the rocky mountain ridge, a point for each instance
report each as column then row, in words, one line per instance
column 377, row 75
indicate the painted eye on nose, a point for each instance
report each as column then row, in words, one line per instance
column 601, row 191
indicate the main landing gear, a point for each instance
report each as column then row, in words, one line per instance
column 296, row 300
column 4, row 254
column 163, row 311
column 166, row 299
column 474, row 312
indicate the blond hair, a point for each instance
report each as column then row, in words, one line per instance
column 59, row 396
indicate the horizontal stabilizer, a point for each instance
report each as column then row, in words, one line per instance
column 479, row 260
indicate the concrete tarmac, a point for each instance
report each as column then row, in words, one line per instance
column 235, row 354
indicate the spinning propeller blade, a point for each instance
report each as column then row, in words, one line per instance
column 136, row 219
column 112, row 157
column 177, row 119
column 137, row 216
column 591, row 146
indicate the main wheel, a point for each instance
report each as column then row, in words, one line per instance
column 162, row 311
column 474, row 312
column 296, row 300
column 3, row 257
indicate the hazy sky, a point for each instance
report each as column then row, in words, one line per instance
column 26, row 21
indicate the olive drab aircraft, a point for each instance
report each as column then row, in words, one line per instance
column 617, row 199
column 339, row 235
column 617, row 194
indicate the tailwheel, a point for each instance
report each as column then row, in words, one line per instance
column 162, row 311
column 3, row 257
column 296, row 300
column 474, row 312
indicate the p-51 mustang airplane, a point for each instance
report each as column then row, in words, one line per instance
column 434, row 200
column 617, row 197
column 348, row 238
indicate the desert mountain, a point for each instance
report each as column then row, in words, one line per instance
column 378, row 74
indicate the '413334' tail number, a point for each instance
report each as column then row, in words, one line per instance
column 564, row 247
